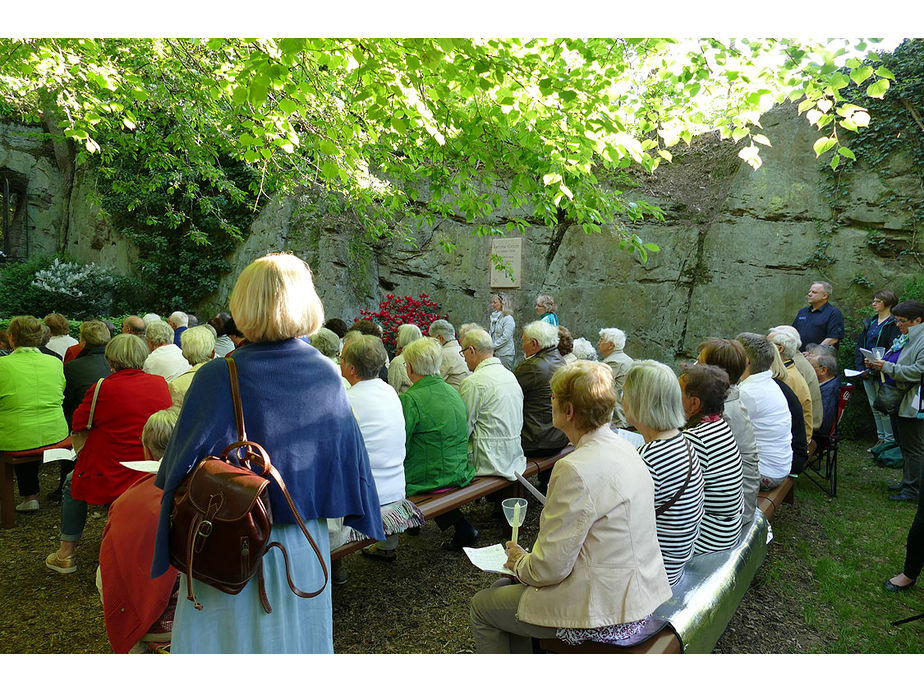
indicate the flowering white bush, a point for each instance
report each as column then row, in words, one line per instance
column 77, row 290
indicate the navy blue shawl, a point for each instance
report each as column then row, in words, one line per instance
column 296, row 407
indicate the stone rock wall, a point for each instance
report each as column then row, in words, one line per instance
column 737, row 250
column 738, row 247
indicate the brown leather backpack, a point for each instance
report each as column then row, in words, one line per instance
column 221, row 518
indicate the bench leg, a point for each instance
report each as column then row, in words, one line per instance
column 8, row 497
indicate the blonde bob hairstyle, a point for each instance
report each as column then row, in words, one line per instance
column 126, row 351
column 425, row 356
column 274, row 299
column 26, row 331
column 651, row 396
column 588, row 387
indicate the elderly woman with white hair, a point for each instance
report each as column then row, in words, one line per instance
column 787, row 339
column 501, row 329
column 296, row 407
column 397, row 369
column 595, row 572
column 198, row 349
column 436, row 427
column 165, row 358
column 452, row 366
column 584, row 350
column 654, row 405
column 545, row 309
column 611, row 345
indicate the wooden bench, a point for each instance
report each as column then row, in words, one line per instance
column 7, row 490
column 725, row 587
column 433, row 505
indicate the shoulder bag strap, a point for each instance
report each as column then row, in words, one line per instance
column 686, row 482
column 99, row 384
column 272, row 471
column 236, row 398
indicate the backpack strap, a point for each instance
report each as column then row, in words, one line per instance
column 271, row 470
column 686, row 482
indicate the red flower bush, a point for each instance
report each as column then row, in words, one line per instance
column 395, row 311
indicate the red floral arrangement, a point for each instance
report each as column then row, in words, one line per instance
column 395, row 311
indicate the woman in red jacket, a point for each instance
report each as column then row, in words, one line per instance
column 126, row 399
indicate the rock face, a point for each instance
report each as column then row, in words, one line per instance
column 27, row 162
column 739, row 247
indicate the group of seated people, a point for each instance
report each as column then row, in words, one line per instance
column 446, row 409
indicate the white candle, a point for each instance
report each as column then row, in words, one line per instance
column 516, row 522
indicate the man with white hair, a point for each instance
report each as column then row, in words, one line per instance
column 452, row 368
column 820, row 322
column 166, row 358
column 149, row 318
column 611, row 345
column 198, row 348
column 787, row 341
column 179, row 321
column 540, row 345
column 494, row 402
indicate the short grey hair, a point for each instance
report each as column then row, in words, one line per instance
column 785, row 340
column 407, row 333
column 366, row 354
column 179, row 318
column 327, row 342
column 583, row 349
column 126, row 351
column 149, row 318
column 442, row 328
column 614, row 335
column 349, row 337
column 425, row 356
column 159, row 333
column 198, row 344
column 758, row 349
column 479, row 339
column 828, row 362
column 157, row 431
column 546, row 302
column 652, row 397
column 546, row 335
column 791, row 331
column 825, row 286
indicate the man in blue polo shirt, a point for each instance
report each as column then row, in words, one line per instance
column 819, row 322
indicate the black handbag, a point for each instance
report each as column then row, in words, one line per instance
column 888, row 399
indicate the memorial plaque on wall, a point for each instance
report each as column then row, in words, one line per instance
column 510, row 250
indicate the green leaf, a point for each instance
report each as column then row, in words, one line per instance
column 823, row 144
column 883, row 71
column 846, row 153
column 877, row 90
column 666, row 155
column 839, row 80
column 761, row 139
column 653, row 247
column 861, row 74
column 288, row 106
column 806, row 104
column 835, row 160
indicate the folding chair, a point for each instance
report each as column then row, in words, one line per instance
column 821, row 468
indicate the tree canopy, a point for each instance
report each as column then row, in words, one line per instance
column 409, row 130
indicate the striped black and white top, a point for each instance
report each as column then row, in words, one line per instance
column 720, row 463
column 678, row 527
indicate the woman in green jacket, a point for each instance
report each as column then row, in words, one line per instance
column 436, row 424
column 31, row 394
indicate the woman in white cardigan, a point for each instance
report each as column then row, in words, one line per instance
column 595, row 571
column 501, row 330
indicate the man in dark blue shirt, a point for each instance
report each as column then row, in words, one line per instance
column 819, row 322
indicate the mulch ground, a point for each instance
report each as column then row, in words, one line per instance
column 418, row 604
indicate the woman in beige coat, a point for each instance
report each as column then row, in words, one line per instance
column 595, row 571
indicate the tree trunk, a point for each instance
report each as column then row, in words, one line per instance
column 64, row 157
